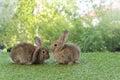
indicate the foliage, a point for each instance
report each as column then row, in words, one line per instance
column 101, row 37
column 26, row 25
column 6, row 12
column 56, row 16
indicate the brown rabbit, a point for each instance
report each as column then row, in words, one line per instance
column 64, row 53
column 26, row 53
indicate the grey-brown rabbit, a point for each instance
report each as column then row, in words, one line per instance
column 64, row 53
column 26, row 53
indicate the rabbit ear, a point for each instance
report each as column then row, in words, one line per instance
column 35, row 54
column 63, row 36
column 37, row 41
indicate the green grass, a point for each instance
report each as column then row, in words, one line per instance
column 92, row 66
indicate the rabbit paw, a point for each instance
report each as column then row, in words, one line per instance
column 70, row 63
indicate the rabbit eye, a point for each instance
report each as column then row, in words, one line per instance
column 55, row 44
column 43, row 51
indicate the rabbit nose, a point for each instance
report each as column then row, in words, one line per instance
column 51, row 48
column 48, row 57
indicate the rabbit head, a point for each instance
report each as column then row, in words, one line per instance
column 41, row 53
column 60, row 42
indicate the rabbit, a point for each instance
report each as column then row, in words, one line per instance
column 26, row 53
column 64, row 53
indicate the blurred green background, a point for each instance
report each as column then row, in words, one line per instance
column 93, row 26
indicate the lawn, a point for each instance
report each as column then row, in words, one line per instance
column 92, row 66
